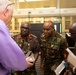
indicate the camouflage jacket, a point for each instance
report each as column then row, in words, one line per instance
column 30, row 43
column 53, row 47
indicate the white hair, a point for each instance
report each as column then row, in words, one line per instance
column 4, row 4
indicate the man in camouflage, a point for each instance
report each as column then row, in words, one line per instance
column 27, row 42
column 52, row 49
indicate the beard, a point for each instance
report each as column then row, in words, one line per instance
column 24, row 35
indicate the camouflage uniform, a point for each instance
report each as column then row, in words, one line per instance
column 28, row 44
column 52, row 49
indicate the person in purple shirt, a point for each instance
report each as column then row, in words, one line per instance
column 11, row 56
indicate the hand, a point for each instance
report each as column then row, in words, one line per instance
column 66, row 73
column 30, row 59
column 29, row 63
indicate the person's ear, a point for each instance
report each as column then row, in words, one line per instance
column 5, row 12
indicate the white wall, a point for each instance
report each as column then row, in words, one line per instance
column 45, row 12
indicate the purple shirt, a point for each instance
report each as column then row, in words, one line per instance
column 11, row 56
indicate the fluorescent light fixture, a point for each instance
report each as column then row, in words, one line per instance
column 35, row 0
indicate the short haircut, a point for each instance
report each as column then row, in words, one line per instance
column 50, row 23
column 5, row 4
column 23, row 23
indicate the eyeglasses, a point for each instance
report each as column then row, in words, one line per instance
column 10, row 4
column 24, row 28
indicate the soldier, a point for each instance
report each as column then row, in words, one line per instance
column 27, row 42
column 52, row 49
column 72, row 30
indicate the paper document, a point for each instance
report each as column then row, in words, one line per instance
column 71, row 57
column 30, row 57
column 60, row 68
column 28, row 53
